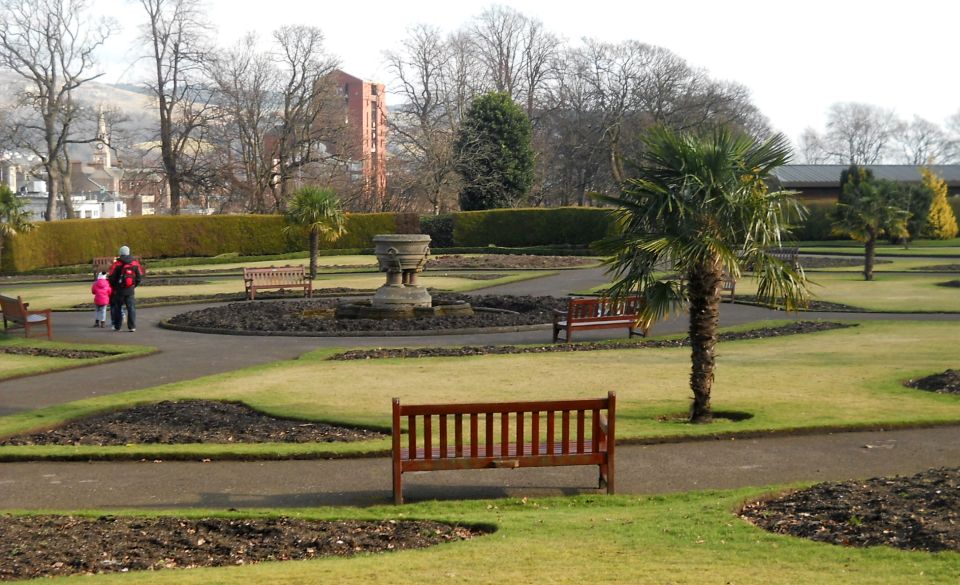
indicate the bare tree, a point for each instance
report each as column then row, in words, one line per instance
column 247, row 81
column 51, row 45
column 811, row 149
column 424, row 126
column 924, row 143
column 311, row 112
column 176, row 35
column 497, row 35
column 859, row 134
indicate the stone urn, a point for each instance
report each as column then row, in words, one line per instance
column 401, row 256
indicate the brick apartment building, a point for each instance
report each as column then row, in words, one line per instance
column 366, row 135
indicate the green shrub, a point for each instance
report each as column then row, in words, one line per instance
column 439, row 228
column 531, row 227
column 817, row 225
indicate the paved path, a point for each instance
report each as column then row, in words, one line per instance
column 642, row 469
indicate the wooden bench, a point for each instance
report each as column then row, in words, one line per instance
column 16, row 314
column 274, row 277
column 514, row 434
column 599, row 313
column 103, row 264
column 789, row 255
column 728, row 286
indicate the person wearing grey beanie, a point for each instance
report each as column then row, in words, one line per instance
column 125, row 275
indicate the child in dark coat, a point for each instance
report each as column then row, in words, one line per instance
column 101, row 298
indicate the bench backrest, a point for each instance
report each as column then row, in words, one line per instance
column 12, row 308
column 275, row 275
column 564, row 427
column 594, row 308
column 789, row 255
column 103, row 263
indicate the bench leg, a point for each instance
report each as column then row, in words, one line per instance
column 397, row 483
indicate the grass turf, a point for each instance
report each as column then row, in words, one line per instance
column 67, row 294
column 693, row 538
column 844, row 378
column 15, row 366
column 906, row 293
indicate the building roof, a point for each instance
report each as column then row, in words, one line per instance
column 796, row 176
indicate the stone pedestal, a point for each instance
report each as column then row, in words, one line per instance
column 401, row 256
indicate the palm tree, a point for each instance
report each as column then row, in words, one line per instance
column 866, row 211
column 14, row 219
column 696, row 207
column 317, row 209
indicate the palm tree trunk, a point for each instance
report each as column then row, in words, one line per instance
column 314, row 247
column 869, row 252
column 703, row 286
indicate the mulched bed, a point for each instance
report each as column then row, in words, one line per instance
column 947, row 382
column 53, row 546
column 470, row 350
column 296, row 315
column 939, row 268
column 75, row 354
column 812, row 305
column 237, row 296
column 815, row 262
column 506, row 261
column 920, row 512
column 189, row 421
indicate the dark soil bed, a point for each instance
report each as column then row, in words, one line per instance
column 950, row 284
column 815, row 262
column 920, row 512
column 76, row 354
column 49, row 546
column 418, row 352
column 189, row 421
column 813, row 305
column 506, row 261
column 939, row 268
column 947, row 382
column 284, row 316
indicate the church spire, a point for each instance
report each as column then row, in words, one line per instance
column 101, row 146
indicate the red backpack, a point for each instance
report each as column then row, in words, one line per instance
column 129, row 275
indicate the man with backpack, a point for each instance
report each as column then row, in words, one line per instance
column 125, row 275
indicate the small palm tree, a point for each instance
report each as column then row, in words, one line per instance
column 317, row 209
column 866, row 211
column 696, row 207
column 14, row 219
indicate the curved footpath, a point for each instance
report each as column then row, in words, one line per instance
column 641, row 469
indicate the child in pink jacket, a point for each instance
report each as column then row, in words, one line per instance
column 101, row 298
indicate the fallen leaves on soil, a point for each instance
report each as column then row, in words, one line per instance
column 469, row 350
column 189, row 421
column 48, row 546
column 947, row 382
column 920, row 512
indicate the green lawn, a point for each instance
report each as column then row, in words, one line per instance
column 852, row 247
column 67, row 294
column 14, row 365
column 692, row 539
column 842, row 378
column 886, row 293
column 893, row 264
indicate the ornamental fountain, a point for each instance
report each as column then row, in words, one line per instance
column 402, row 257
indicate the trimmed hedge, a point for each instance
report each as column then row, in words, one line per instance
column 78, row 241
column 531, row 227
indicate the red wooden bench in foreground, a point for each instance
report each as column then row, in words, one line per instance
column 599, row 313
column 504, row 435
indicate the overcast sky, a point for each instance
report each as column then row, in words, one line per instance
column 797, row 58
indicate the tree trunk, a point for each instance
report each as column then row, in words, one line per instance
column 703, row 286
column 52, row 191
column 314, row 248
column 869, row 251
